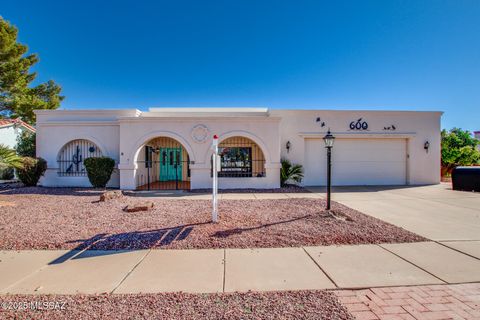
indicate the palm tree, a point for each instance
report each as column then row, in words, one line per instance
column 290, row 172
column 9, row 158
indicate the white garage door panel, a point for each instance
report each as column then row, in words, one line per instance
column 378, row 150
column 357, row 162
column 368, row 173
column 314, row 162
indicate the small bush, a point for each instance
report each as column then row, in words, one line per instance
column 33, row 169
column 99, row 170
column 7, row 173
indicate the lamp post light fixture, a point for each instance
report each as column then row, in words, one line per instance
column 288, row 145
column 329, row 139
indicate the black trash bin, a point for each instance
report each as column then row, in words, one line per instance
column 466, row 179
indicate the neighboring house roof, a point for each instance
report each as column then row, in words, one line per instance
column 11, row 122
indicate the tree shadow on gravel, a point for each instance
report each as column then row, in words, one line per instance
column 231, row 232
column 107, row 244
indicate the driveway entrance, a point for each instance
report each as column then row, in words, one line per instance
column 435, row 212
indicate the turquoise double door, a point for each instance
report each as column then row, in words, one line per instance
column 171, row 164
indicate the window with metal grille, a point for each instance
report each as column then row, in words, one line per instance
column 71, row 157
column 240, row 157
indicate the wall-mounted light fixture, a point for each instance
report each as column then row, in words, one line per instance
column 426, row 146
column 288, row 145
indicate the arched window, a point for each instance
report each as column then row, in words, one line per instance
column 71, row 157
column 241, row 157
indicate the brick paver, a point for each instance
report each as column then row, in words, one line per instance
column 458, row 301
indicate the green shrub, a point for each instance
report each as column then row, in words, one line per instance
column 290, row 172
column 459, row 148
column 33, row 169
column 99, row 170
column 26, row 145
column 7, row 173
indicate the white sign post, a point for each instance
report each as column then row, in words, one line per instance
column 215, row 166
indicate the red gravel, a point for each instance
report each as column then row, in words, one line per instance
column 271, row 305
column 287, row 189
column 60, row 218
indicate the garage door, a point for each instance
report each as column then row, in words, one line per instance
column 357, row 162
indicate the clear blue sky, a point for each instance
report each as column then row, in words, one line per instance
column 413, row 55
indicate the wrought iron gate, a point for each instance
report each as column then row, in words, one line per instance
column 164, row 166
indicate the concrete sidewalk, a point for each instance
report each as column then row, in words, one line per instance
column 230, row 270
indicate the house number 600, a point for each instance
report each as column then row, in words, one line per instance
column 359, row 125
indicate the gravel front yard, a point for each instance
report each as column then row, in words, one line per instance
column 271, row 305
column 46, row 218
column 286, row 189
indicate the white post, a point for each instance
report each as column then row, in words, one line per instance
column 215, row 165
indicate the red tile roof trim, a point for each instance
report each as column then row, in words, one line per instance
column 9, row 122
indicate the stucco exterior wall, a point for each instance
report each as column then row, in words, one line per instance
column 9, row 136
column 417, row 127
column 121, row 134
column 57, row 128
column 135, row 132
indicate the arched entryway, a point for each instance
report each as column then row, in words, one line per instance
column 162, row 164
column 241, row 157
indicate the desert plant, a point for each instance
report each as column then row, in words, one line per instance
column 99, row 170
column 9, row 159
column 290, row 172
column 32, row 170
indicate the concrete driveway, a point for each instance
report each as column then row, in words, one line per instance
column 435, row 212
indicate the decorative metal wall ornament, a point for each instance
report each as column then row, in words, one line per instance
column 390, row 128
column 319, row 120
column 76, row 160
column 358, row 125
column 71, row 156
column 200, row 133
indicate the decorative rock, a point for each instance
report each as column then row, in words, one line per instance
column 112, row 194
column 141, row 206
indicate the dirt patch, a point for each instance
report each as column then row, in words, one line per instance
column 73, row 219
column 271, row 305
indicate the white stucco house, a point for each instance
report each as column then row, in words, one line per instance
column 11, row 130
column 170, row 148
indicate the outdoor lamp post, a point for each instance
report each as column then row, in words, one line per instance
column 329, row 139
